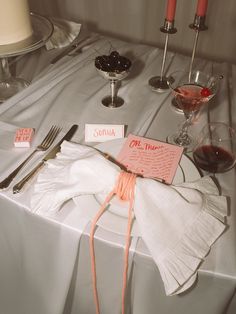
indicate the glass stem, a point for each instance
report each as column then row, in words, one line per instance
column 113, row 90
column 4, row 70
column 183, row 138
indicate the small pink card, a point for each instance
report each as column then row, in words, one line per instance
column 150, row 158
column 23, row 137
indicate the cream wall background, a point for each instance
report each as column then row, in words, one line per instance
column 140, row 20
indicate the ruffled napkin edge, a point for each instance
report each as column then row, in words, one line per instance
column 179, row 265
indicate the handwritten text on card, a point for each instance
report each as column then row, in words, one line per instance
column 150, row 158
column 103, row 132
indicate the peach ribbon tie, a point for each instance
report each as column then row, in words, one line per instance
column 124, row 190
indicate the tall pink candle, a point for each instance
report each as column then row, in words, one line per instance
column 170, row 10
column 202, row 7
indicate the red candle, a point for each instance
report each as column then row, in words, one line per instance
column 202, row 7
column 170, row 10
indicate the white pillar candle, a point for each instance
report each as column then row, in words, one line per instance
column 15, row 22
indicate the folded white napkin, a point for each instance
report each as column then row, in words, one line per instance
column 63, row 34
column 177, row 223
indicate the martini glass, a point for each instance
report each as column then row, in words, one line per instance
column 191, row 92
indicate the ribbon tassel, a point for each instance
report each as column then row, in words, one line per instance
column 124, row 190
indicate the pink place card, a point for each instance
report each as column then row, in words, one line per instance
column 23, row 137
column 150, row 158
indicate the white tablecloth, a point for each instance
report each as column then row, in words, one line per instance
column 45, row 266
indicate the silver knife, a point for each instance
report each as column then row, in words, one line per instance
column 52, row 154
column 72, row 46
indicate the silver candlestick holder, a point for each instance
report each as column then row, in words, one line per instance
column 160, row 83
column 198, row 25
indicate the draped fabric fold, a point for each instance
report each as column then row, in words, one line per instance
column 178, row 223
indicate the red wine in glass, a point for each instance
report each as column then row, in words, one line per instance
column 213, row 159
column 190, row 97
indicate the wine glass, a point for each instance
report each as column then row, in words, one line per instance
column 215, row 150
column 113, row 68
column 191, row 92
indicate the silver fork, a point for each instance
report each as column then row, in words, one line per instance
column 46, row 143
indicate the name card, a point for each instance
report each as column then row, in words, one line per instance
column 103, row 132
column 23, row 137
column 150, row 158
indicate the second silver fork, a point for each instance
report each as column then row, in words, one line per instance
column 45, row 144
